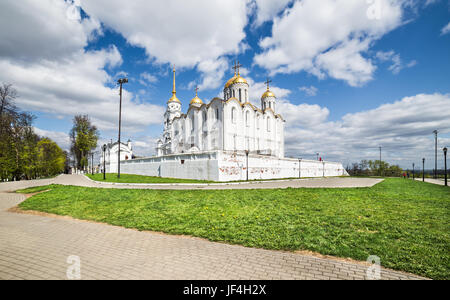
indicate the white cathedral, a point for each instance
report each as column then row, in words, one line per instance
column 227, row 139
column 231, row 123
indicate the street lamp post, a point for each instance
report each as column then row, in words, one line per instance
column 317, row 155
column 445, row 166
column 246, row 154
column 104, row 162
column 413, row 170
column 423, row 169
column 120, row 81
column 435, row 154
column 299, row 168
column 92, row 160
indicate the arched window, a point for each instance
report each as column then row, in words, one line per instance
column 240, row 95
column 234, row 94
column 192, row 123
column 268, row 124
column 233, row 115
column 246, row 96
column 247, row 118
column 217, row 114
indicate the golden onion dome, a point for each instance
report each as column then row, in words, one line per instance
column 268, row 94
column 230, row 82
column 174, row 99
column 196, row 99
column 239, row 79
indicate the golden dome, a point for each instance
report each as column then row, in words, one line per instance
column 196, row 99
column 239, row 79
column 230, row 82
column 174, row 98
column 267, row 94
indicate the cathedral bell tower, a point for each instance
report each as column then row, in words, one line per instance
column 268, row 98
column 173, row 110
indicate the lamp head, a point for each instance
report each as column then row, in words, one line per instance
column 122, row 80
column 445, row 151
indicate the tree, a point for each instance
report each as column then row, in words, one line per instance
column 84, row 137
column 19, row 144
column 7, row 96
column 51, row 158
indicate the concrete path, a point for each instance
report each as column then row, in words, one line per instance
column 81, row 180
column 433, row 181
column 38, row 247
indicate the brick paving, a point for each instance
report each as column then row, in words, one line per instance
column 37, row 247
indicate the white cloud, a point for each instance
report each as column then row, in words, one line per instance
column 329, row 37
column 397, row 64
column 146, row 78
column 257, row 89
column 310, row 91
column 403, row 128
column 54, row 74
column 446, row 29
column 34, row 30
column 266, row 10
column 185, row 33
column 212, row 73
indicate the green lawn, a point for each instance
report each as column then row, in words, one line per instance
column 130, row 178
column 405, row 223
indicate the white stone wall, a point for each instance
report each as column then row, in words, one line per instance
column 232, row 167
column 227, row 166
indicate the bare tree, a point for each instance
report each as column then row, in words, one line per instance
column 7, row 96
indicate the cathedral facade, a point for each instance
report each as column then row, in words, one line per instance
column 231, row 123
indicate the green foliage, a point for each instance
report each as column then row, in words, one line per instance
column 23, row 154
column 404, row 222
column 84, row 137
column 374, row 168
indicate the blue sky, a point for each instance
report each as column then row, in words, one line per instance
column 349, row 75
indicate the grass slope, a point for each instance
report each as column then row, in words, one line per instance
column 405, row 223
column 130, row 178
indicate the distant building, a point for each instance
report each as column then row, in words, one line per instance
column 111, row 155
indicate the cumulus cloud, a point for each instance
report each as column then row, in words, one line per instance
column 146, row 78
column 193, row 33
column 266, row 10
column 329, row 38
column 446, row 29
column 397, row 63
column 310, row 91
column 43, row 29
column 403, row 128
column 54, row 73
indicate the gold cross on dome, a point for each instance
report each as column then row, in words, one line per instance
column 236, row 67
column 267, row 82
column 196, row 90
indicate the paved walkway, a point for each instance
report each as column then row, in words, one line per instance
column 37, row 247
column 81, row 180
column 433, row 181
